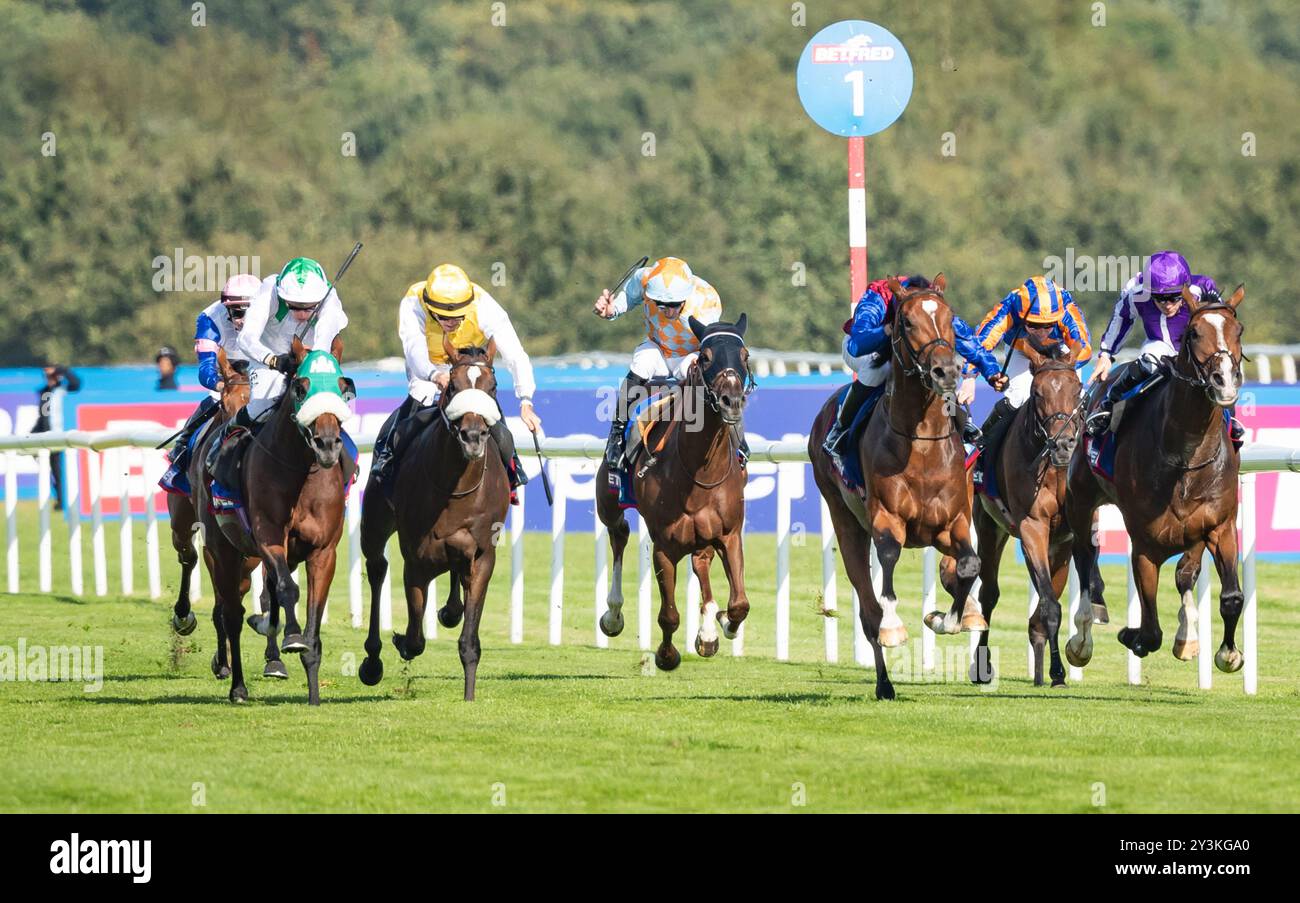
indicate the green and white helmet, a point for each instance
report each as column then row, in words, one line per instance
column 302, row 283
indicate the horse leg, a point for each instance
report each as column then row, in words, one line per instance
column 666, row 656
column 1045, row 624
column 183, row 620
column 416, row 576
column 732, row 553
column 889, row 534
column 1059, row 564
column 480, row 572
column 1097, row 586
column 615, row 521
column 1223, row 545
column 1187, row 642
column 992, row 540
column 1146, row 574
column 320, row 573
column 1080, row 508
column 377, row 524
column 269, row 624
column 962, row 566
column 284, row 596
column 706, row 641
column 454, row 608
column 229, row 601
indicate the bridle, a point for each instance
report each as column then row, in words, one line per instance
column 716, row 371
column 444, row 400
column 1043, row 429
column 920, row 357
column 1200, row 378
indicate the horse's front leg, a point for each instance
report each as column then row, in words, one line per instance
column 960, row 568
column 1045, row 625
column 615, row 521
column 706, row 641
column 1223, row 545
column 1145, row 639
column 183, row 620
column 1187, row 641
column 284, row 598
column 992, row 540
column 732, row 552
column 269, row 624
column 320, row 574
column 888, row 534
column 666, row 656
column 480, row 573
column 1080, row 508
column 417, row 575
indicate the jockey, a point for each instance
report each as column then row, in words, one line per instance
column 218, row 326
column 671, row 294
column 284, row 303
column 867, row 353
column 1155, row 297
column 448, row 304
column 1038, row 308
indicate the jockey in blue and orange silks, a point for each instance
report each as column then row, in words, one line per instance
column 217, row 327
column 867, row 353
column 1038, row 307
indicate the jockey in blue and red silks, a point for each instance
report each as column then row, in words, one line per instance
column 1153, row 297
column 867, row 353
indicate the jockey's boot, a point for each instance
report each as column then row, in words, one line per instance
column 514, row 467
column 1236, row 432
column 385, row 450
column 853, row 399
column 970, row 433
column 1132, row 377
column 179, row 456
column 617, row 440
column 995, row 425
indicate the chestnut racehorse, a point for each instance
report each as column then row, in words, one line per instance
column 690, row 493
column 917, row 491
column 450, row 498
column 1176, row 485
column 1031, row 473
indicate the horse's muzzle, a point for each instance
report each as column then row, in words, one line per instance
column 1224, row 387
column 327, row 450
column 473, row 440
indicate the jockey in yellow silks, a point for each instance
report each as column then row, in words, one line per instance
column 449, row 305
column 670, row 294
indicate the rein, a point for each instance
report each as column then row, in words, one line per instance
column 919, row 367
column 443, row 401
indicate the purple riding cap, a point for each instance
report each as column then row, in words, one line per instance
column 1168, row 272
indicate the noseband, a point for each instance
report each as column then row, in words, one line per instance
column 1043, row 431
column 716, row 372
column 921, row 357
column 1200, row 378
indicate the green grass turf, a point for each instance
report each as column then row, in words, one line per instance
column 577, row 728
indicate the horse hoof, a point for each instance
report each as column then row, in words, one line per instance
column 446, row 620
column 1228, row 660
column 239, row 694
column 980, row 675
column 706, row 648
column 728, row 630
column 406, row 652
column 892, row 637
column 1078, row 654
column 884, row 690
column 219, row 671
column 184, row 626
column 935, row 621
column 1187, row 650
column 1058, row 683
column 1100, row 614
column 294, row 642
column 611, row 623
column 667, row 658
column 275, row 668
column 371, row 671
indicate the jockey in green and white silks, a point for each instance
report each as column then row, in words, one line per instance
column 283, row 304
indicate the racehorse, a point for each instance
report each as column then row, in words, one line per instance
column 917, row 491
column 690, row 492
column 1175, row 482
column 450, row 497
column 293, row 487
column 1031, row 472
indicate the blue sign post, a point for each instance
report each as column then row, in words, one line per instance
column 855, row 79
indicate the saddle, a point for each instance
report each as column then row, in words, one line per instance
column 851, row 475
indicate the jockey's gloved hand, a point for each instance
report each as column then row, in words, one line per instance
column 284, row 363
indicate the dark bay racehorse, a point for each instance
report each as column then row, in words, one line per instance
column 692, row 495
column 1031, row 474
column 917, row 490
column 293, row 490
column 450, row 498
column 1176, row 485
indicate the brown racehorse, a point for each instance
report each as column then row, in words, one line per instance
column 1031, row 473
column 1176, row 485
column 917, row 490
column 450, row 498
column 293, row 491
column 692, row 495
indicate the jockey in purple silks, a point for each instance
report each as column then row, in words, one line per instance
column 1155, row 298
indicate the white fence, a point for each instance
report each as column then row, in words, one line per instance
column 121, row 451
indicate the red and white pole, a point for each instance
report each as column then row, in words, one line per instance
column 857, row 219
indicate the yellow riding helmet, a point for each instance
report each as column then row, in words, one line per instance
column 448, row 291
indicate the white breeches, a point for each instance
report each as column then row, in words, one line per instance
column 266, row 389
column 1021, row 380
column 871, row 369
column 648, row 361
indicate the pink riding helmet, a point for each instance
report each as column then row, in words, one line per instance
column 240, row 289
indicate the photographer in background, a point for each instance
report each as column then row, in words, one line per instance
column 167, row 360
column 58, row 381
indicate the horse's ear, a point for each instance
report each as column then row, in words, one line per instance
column 1236, row 296
column 741, row 324
column 696, row 327
column 240, row 367
column 1034, row 354
column 336, row 349
column 939, row 283
column 1190, row 298
column 453, row 356
column 299, row 389
column 223, row 365
column 491, row 351
column 348, row 388
column 895, row 286
column 297, row 349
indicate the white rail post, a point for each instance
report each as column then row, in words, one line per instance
column 600, row 534
column 353, row 513
column 1249, row 625
column 43, row 503
column 517, row 568
column 643, row 583
column 257, row 584
column 95, row 472
column 1204, row 624
column 861, row 648
column 152, row 564
column 831, row 626
column 929, row 601
column 72, row 511
column 693, row 590
column 559, row 469
column 1288, row 368
column 124, row 539
column 431, row 597
column 1134, row 616
column 11, row 519
column 196, row 575
column 782, row 564
column 1033, row 606
column 1076, row 673
column 1265, row 368
column 738, row 644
